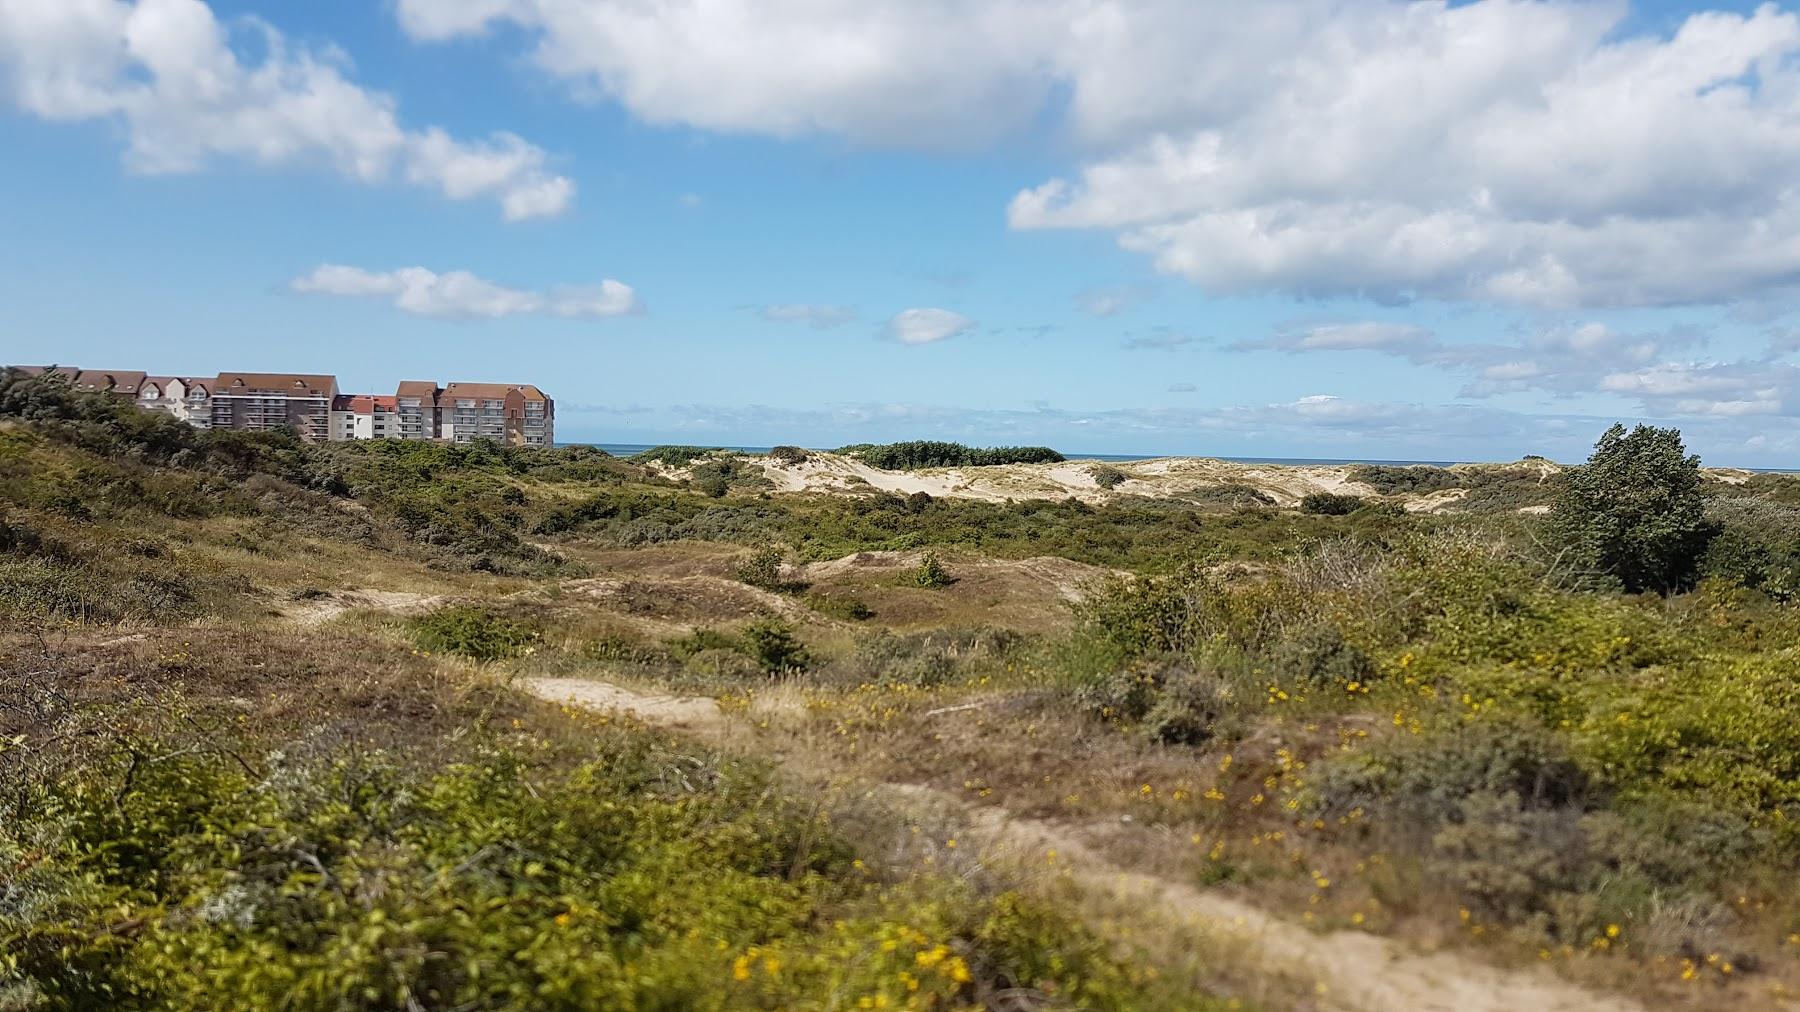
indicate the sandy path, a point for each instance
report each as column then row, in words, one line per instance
column 320, row 610
column 1359, row 972
column 692, row 713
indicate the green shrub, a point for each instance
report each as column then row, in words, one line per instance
column 1329, row 504
column 929, row 573
column 761, row 568
column 1416, row 479
column 1107, row 477
column 672, row 456
column 789, row 455
column 474, row 633
column 1317, row 656
column 927, row 453
column 839, row 606
column 771, row 644
column 1635, row 511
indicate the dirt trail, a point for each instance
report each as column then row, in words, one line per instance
column 319, row 610
column 1358, row 972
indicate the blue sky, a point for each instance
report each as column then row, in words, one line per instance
column 1317, row 229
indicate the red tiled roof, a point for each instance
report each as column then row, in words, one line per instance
column 121, row 382
column 292, row 384
column 493, row 391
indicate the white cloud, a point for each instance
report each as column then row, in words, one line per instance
column 820, row 317
column 886, row 71
column 1390, row 338
column 178, row 81
column 1523, row 153
column 1182, row 388
column 925, row 326
column 1711, row 388
column 462, row 295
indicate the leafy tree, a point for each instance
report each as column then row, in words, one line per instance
column 1635, row 511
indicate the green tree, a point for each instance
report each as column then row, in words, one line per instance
column 1635, row 510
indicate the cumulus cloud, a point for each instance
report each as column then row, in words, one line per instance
column 178, row 81
column 816, row 316
column 1525, row 153
column 926, row 326
column 462, row 295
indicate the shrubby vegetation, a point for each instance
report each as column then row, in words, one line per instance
column 1330, row 504
column 926, row 453
column 1450, row 724
column 672, row 456
column 170, row 864
column 1107, row 477
column 1415, row 479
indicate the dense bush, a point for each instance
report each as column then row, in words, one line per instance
column 1107, row 477
column 930, row 573
column 1330, row 504
column 789, row 455
column 1635, row 511
column 672, row 456
column 926, row 453
column 761, row 568
column 771, row 644
column 1416, row 479
column 473, row 633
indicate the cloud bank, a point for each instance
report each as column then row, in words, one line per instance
column 1533, row 154
column 462, row 295
column 174, row 76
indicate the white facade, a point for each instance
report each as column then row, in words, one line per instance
column 188, row 400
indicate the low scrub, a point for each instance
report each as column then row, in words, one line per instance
column 475, row 633
column 926, row 453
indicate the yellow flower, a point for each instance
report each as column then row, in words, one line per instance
column 1612, row 931
column 740, row 969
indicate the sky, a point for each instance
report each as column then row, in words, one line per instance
column 1357, row 229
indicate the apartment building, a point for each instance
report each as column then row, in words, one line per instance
column 416, row 403
column 514, row 414
column 260, row 401
column 365, row 416
column 188, row 398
